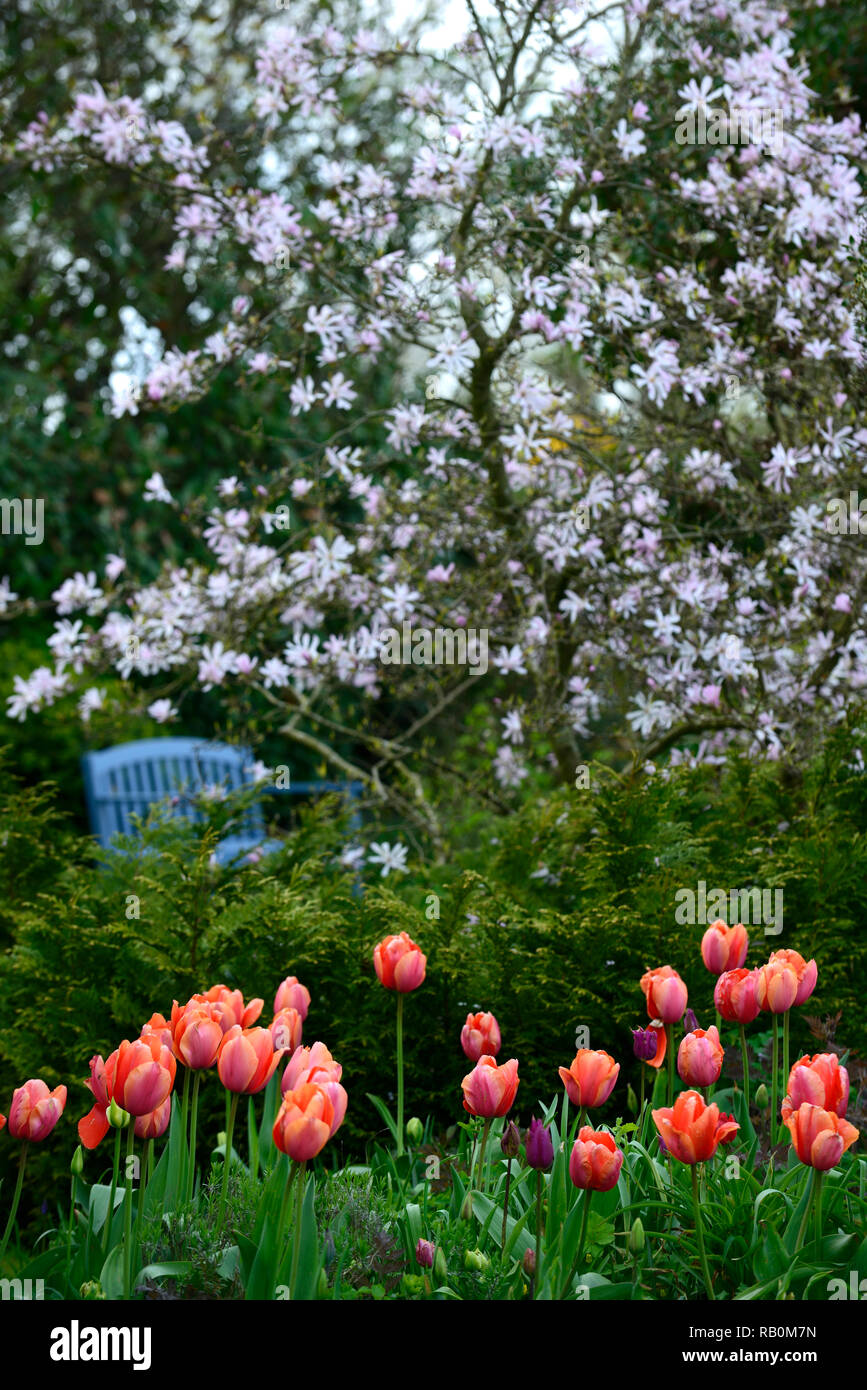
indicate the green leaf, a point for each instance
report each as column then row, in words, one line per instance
column 384, row 1113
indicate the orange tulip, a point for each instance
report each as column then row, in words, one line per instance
column 2, row 1121
column 35, row 1110
column 154, row 1125
column 817, row 1080
column 735, row 995
column 819, row 1137
column 310, row 1064
column 692, row 1130
column 94, row 1126
column 198, row 1034
column 806, row 970
column 595, row 1161
column 285, row 1029
column 305, row 1122
column 161, row 1026
column 247, row 1060
column 724, row 948
column 231, row 1002
column 144, row 1074
column 399, row 963
column 777, row 985
column 480, row 1036
column 665, row 992
column 490, row 1090
column 591, row 1078
column 292, row 995
column 700, row 1057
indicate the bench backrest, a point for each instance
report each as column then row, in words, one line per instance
column 129, row 778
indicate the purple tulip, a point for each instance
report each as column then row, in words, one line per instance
column 425, row 1252
column 644, row 1042
column 540, row 1147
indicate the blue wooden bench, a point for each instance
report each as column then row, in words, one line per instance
column 130, row 778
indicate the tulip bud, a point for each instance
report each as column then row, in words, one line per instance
column 221, row 1138
column 477, row 1260
column 690, row 1022
column 92, row 1289
column 636, row 1237
column 425, row 1251
column 511, row 1140
column 441, row 1269
column 467, row 1206
column 762, row 1098
column 117, row 1118
column 631, row 1100
column 414, row 1130
column 528, row 1264
column 76, row 1163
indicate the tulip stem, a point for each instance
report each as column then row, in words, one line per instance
column 109, row 1211
column 817, row 1205
column 538, row 1270
column 641, row 1102
column 506, row 1201
column 16, row 1197
column 185, row 1110
column 696, row 1206
column 296, row 1248
column 785, row 1062
column 399, row 1075
column 191, row 1176
column 808, row 1207
column 745, row 1060
column 576, row 1266
column 775, row 1063
column 127, row 1211
column 485, row 1131
column 142, row 1184
column 669, row 1047
column 230, row 1127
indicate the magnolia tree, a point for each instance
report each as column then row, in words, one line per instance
column 571, row 373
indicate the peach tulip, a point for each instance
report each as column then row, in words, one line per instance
column 161, row 1026
column 247, row 1060
column 777, row 986
column 480, row 1036
column 690, row 1129
column 154, row 1125
column 305, row 1122
column 399, row 963
column 231, row 1003
column 819, row 1137
column 198, row 1034
column 591, row 1078
column 735, row 995
column 2, row 1121
column 35, row 1110
column 806, row 970
column 489, row 1090
column 595, row 1161
column 700, row 1057
column 665, row 992
column 724, row 948
column 285, row 1029
column 817, row 1080
column 144, row 1074
column 292, row 995
column 308, row 1064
